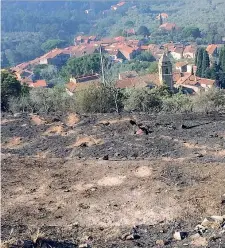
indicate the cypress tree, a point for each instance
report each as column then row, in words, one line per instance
column 205, row 63
column 222, row 59
column 160, row 20
column 196, row 56
column 199, row 62
column 214, row 71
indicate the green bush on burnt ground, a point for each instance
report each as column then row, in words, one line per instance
column 142, row 100
column 98, row 100
column 177, row 103
column 211, row 100
column 42, row 101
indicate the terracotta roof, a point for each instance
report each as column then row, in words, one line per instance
column 120, row 38
column 145, row 48
column 211, row 49
column 121, row 4
column 72, row 87
column 176, row 76
column 178, row 50
column 168, row 26
column 192, row 80
column 52, row 54
column 163, row 15
column 39, row 83
column 190, row 49
column 127, row 49
column 138, row 82
column 181, row 64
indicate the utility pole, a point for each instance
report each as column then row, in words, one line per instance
column 103, row 74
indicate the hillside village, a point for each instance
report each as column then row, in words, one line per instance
column 120, row 49
column 176, row 61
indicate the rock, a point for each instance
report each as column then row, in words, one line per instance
column 106, row 157
column 200, row 242
column 180, row 235
column 128, row 236
column 140, row 132
column 84, row 245
column 213, row 222
column 133, row 236
column 160, row 242
column 223, row 199
column 219, row 219
column 200, row 229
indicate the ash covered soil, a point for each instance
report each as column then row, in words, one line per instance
column 89, row 179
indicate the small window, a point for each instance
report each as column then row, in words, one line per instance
column 166, row 71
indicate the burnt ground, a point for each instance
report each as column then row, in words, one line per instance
column 98, row 175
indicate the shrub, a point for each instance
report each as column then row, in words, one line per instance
column 42, row 101
column 98, row 100
column 211, row 100
column 144, row 100
column 177, row 103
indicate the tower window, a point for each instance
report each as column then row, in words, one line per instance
column 166, row 71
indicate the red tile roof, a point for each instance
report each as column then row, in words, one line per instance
column 121, row 4
column 138, row 82
column 39, row 83
column 168, row 26
column 211, row 49
column 190, row 49
column 163, row 15
column 52, row 54
column 72, row 87
column 181, row 64
column 190, row 79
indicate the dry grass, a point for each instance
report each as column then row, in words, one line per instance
column 54, row 130
column 72, row 119
column 87, row 141
column 37, row 120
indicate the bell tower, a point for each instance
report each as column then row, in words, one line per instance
column 165, row 71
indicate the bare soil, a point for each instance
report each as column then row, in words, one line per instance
column 77, row 176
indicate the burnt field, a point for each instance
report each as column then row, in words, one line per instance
column 116, row 137
column 90, row 179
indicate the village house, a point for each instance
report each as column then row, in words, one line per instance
column 82, row 83
column 163, row 16
column 189, row 52
column 34, row 84
column 177, row 52
column 81, row 39
column 127, row 52
column 213, row 51
column 195, row 84
column 168, row 26
column 181, row 66
column 149, row 80
column 55, row 57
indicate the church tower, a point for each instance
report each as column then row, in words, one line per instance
column 165, row 71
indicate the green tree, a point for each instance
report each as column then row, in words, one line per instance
column 222, row 59
column 198, row 61
column 145, row 56
column 191, row 32
column 10, row 87
column 87, row 64
column 143, row 30
column 129, row 24
column 205, row 63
